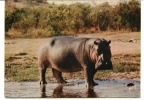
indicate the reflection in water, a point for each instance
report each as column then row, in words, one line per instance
column 58, row 93
column 43, row 90
column 91, row 94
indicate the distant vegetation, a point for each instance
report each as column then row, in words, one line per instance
column 53, row 20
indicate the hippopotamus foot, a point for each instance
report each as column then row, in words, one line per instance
column 94, row 83
column 43, row 82
column 89, row 86
column 42, row 70
column 62, row 81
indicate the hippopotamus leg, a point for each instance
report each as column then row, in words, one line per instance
column 88, row 78
column 93, row 73
column 42, row 70
column 58, row 76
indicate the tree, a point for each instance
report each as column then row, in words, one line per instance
column 41, row 1
column 130, row 15
column 76, row 21
column 134, row 15
column 15, row 0
column 104, row 16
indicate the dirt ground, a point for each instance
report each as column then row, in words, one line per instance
column 120, row 43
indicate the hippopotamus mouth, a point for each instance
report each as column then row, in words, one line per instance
column 105, row 65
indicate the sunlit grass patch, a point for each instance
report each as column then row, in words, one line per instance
column 21, row 67
column 126, row 62
column 103, row 74
column 21, row 73
column 121, row 63
column 28, row 70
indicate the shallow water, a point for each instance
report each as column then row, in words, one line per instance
column 74, row 89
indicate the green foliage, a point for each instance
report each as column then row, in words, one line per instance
column 126, row 63
column 104, row 16
column 39, row 1
column 130, row 15
column 56, row 20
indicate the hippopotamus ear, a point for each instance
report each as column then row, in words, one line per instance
column 96, row 42
column 109, row 41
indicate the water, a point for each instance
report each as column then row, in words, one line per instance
column 74, row 89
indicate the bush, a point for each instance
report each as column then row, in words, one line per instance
column 63, row 19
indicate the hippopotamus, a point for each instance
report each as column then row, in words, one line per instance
column 71, row 54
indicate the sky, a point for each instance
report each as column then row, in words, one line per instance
column 92, row 2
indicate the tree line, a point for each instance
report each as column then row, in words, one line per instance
column 53, row 20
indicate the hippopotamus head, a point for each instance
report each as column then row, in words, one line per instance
column 101, row 54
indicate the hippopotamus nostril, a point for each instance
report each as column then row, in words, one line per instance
column 106, row 63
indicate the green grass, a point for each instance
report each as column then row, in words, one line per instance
column 121, row 63
column 28, row 71
column 105, row 74
column 126, row 62
column 21, row 69
column 18, row 73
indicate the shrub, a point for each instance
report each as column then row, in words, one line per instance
column 56, row 19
